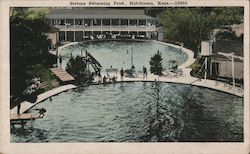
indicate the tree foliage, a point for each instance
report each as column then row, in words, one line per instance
column 28, row 45
column 156, row 64
column 228, row 35
column 77, row 67
column 192, row 25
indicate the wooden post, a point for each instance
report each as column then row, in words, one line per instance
column 205, row 77
column 233, row 73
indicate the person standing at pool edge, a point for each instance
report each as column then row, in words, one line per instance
column 60, row 60
column 145, row 73
column 122, row 74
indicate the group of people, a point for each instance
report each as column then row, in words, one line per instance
column 108, row 79
column 33, row 86
column 144, row 70
column 30, row 93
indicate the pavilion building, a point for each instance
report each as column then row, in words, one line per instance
column 78, row 24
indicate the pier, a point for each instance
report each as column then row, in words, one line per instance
column 62, row 75
column 23, row 117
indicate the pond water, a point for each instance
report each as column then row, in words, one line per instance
column 137, row 112
column 118, row 53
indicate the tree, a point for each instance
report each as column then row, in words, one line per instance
column 77, row 68
column 228, row 35
column 28, row 46
column 156, row 64
column 192, row 25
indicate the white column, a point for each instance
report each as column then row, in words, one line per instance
column 57, row 37
column 210, row 52
column 92, row 23
column 74, row 33
column 65, row 35
column 128, row 26
column 101, row 26
column 74, row 22
column 110, row 21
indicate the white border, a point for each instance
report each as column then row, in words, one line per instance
column 111, row 148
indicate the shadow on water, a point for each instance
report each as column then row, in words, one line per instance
column 189, row 121
column 201, row 124
column 29, row 134
column 159, row 120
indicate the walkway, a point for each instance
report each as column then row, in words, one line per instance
column 27, row 105
column 59, row 49
column 185, row 78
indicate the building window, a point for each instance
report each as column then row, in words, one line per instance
column 106, row 22
column 78, row 22
column 61, row 22
column 97, row 22
column 87, row 22
column 69, row 22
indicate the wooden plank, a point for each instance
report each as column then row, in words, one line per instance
column 62, row 75
column 24, row 116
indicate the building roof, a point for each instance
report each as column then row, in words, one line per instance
column 53, row 29
column 97, row 13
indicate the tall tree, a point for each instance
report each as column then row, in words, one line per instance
column 156, row 64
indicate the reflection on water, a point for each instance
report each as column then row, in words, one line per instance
column 137, row 112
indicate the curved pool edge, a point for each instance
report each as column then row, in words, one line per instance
column 25, row 105
column 189, row 52
column 172, row 82
column 59, row 49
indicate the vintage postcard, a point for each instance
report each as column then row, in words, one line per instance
column 158, row 76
